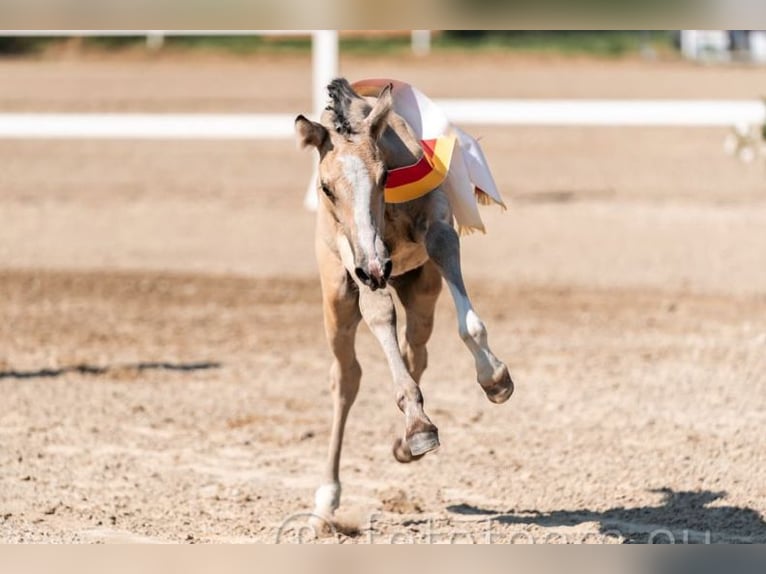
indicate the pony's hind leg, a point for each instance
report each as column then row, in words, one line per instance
column 443, row 246
column 418, row 291
column 341, row 319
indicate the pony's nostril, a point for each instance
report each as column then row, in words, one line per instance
column 363, row 277
column 387, row 268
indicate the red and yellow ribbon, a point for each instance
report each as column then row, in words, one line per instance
column 428, row 173
column 451, row 158
column 413, row 181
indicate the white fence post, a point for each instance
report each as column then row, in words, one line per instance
column 689, row 46
column 421, row 42
column 324, row 63
column 155, row 39
column 758, row 46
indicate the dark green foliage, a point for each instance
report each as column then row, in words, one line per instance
column 594, row 42
column 598, row 43
column 20, row 46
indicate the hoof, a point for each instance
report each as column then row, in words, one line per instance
column 422, row 442
column 321, row 527
column 500, row 388
column 402, row 452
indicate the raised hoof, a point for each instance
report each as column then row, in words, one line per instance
column 500, row 388
column 422, row 442
column 402, row 452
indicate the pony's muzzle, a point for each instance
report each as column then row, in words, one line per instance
column 376, row 276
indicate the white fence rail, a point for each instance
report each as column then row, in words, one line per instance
column 507, row 112
column 146, row 126
column 687, row 113
column 594, row 113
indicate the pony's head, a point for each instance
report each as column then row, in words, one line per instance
column 352, row 176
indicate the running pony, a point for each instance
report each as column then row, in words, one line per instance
column 369, row 248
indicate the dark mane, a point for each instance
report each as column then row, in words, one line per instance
column 341, row 96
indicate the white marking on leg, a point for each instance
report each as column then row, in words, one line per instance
column 463, row 308
column 475, row 327
column 474, row 334
column 327, row 499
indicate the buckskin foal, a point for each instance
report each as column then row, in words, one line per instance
column 366, row 249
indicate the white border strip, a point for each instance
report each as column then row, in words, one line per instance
column 598, row 113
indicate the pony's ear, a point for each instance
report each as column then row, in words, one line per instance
column 309, row 133
column 377, row 120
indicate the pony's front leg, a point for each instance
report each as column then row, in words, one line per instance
column 443, row 246
column 420, row 436
column 340, row 304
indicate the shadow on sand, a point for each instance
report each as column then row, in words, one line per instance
column 99, row 370
column 682, row 517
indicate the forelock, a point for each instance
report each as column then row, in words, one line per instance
column 346, row 108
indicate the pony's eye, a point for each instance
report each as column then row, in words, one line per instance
column 328, row 192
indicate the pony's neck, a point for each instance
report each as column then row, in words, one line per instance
column 398, row 145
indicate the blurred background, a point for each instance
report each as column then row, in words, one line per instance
column 162, row 357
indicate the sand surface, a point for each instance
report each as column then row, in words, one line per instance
column 162, row 359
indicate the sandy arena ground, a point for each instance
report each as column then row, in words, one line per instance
column 162, row 358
